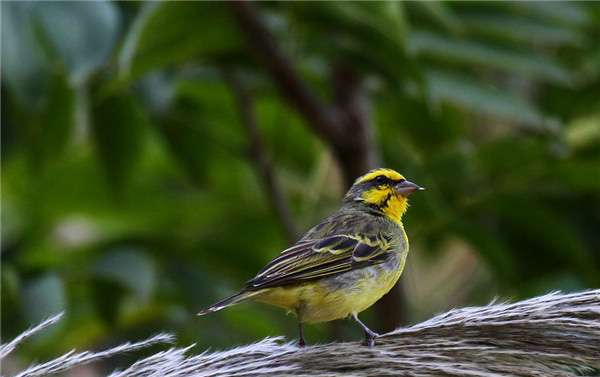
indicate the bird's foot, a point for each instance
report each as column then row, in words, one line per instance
column 301, row 342
column 370, row 337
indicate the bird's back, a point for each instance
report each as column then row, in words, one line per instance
column 353, row 221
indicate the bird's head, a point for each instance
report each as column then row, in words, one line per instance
column 383, row 190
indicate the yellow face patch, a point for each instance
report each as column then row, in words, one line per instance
column 386, row 198
column 388, row 173
column 377, row 195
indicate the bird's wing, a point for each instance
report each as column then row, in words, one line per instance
column 312, row 259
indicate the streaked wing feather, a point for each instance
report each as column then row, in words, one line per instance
column 312, row 259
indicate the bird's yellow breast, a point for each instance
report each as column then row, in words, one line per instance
column 337, row 297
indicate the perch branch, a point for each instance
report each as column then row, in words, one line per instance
column 551, row 335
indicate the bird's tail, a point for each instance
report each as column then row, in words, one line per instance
column 229, row 301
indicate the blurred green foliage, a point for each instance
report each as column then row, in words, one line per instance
column 130, row 201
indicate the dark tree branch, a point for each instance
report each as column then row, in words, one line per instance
column 356, row 150
column 321, row 118
column 258, row 154
column 358, row 156
column 345, row 125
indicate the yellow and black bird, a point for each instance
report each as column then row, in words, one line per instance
column 344, row 264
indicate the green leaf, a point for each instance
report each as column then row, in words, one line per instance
column 57, row 118
column 118, row 128
column 169, row 33
column 479, row 97
column 81, row 34
column 24, row 67
column 193, row 126
column 183, row 132
column 46, row 129
column 368, row 35
column 528, row 65
column 43, row 297
column 568, row 13
column 522, row 30
column 440, row 13
column 129, row 267
column 579, row 175
column 584, row 132
column 384, row 18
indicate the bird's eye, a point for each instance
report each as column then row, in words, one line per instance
column 380, row 180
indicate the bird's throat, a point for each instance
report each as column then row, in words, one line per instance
column 388, row 202
column 394, row 207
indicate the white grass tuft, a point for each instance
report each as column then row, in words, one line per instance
column 72, row 358
column 551, row 335
column 7, row 348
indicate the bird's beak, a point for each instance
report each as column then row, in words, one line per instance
column 405, row 188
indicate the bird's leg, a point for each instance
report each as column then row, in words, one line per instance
column 301, row 341
column 370, row 335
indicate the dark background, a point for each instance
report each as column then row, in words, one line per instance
column 155, row 156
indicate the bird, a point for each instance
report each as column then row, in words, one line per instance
column 345, row 263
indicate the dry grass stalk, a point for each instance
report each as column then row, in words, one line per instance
column 7, row 348
column 551, row 335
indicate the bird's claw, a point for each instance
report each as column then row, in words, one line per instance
column 370, row 339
